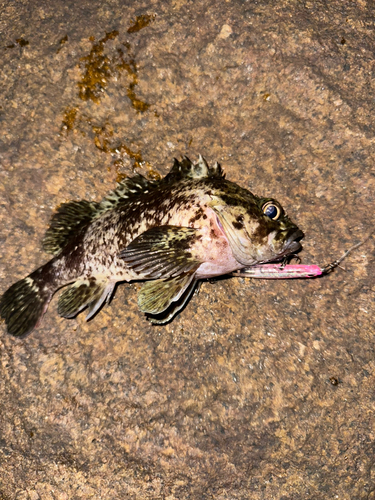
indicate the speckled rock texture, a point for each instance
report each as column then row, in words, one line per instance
column 258, row 389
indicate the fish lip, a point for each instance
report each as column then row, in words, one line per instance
column 292, row 246
column 293, row 242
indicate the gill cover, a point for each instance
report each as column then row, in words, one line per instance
column 238, row 228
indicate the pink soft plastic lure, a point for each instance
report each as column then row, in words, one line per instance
column 280, row 271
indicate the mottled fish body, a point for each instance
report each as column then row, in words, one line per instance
column 192, row 224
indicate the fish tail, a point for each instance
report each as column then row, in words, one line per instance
column 23, row 305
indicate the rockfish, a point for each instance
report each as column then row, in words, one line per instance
column 191, row 225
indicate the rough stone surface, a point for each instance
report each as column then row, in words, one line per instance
column 259, row 389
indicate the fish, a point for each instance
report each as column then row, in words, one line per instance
column 171, row 233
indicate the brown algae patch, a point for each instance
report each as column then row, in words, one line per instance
column 103, row 140
column 69, row 118
column 100, row 68
column 141, row 22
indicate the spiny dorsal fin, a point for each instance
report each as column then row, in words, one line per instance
column 65, row 223
column 128, row 188
column 185, row 169
column 162, row 252
column 139, row 185
column 217, row 171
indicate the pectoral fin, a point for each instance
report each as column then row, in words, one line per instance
column 156, row 297
column 162, row 252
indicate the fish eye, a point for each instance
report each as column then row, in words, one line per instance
column 272, row 210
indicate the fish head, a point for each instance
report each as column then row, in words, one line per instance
column 258, row 231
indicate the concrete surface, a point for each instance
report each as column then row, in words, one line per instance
column 259, row 389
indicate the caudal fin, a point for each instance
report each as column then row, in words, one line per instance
column 23, row 305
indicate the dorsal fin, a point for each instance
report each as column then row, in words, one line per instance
column 139, row 185
column 128, row 188
column 186, row 169
column 68, row 219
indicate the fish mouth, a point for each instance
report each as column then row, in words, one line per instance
column 292, row 244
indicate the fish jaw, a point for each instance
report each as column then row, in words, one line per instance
column 284, row 243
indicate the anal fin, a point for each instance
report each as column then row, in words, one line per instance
column 89, row 292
